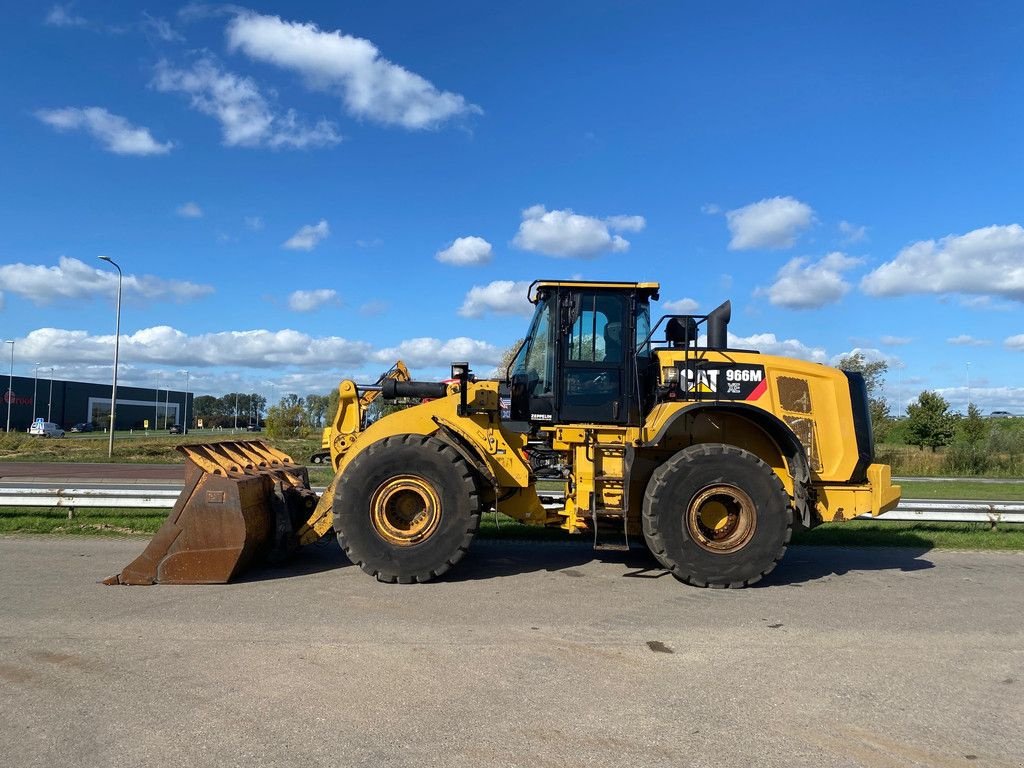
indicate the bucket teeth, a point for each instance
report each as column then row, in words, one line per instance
column 242, row 503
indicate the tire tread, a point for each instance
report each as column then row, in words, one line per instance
column 659, row 481
column 466, row 476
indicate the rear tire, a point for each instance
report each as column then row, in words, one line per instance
column 407, row 509
column 716, row 516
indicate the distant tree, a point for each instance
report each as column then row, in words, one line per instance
column 316, row 409
column 874, row 375
column 969, row 453
column 507, row 356
column 212, row 410
column 257, row 406
column 285, row 419
column 333, row 398
column 973, row 429
column 292, row 400
column 929, row 422
column 205, row 406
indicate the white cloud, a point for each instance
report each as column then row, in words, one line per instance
column 772, row 223
column 245, row 116
column 680, row 307
column 802, row 284
column 259, row 348
column 255, row 223
column 896, row 341
column 626, row 223
column 164, row 344
column 711, row 209
column 373, row 308
column 852, row 233
column 308, row 237
column 1015, row 342
column 432, row 353
column 769, row 344
column 870, row 355
column 566, row 234
column 160, row 28
column 369, row 85
column 63, row 16
column 190, row 210
column 989, row 260
column 466, row 251
column 115, row 132
column 73, row 279
column 502, row 297
column 307, row 301
column 963, row 340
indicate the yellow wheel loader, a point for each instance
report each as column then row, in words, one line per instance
column 661, row 434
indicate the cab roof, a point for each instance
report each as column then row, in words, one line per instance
column 648, row 289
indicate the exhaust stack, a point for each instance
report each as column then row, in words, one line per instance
column 718, row 326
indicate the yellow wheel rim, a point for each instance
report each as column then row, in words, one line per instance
column 405, row 510
column 721, row 519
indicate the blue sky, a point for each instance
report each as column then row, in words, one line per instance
column 302, row 192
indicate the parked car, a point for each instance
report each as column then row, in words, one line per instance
column 85, row 426
column 175, row 430
column 45, row 429
column 1000, row 415
column 254, row 428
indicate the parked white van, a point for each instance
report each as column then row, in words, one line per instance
column 46, row 429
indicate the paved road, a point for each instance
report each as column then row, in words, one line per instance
column 22, row 470
column 529, row 656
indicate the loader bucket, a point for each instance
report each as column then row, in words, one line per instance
column 241, row 504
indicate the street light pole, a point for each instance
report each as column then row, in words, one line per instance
column 117, row 344
column 10, row 385
column 184, row 425
column 968, row 387
column 236, row 412
column 49, row 403
column 35, row 387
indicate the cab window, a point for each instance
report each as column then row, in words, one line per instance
column 596, row 335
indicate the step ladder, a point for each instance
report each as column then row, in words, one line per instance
column 602, row 481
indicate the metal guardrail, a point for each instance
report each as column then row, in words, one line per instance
column 953, row 511
column 128, row 498
column 918, row 510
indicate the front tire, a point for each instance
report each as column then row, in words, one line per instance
column 407, row 509
column 716, row 515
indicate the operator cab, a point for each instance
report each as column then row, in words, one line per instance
column 580, row 361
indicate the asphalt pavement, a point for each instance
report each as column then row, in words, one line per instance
column 31, row 471
column 529, row 655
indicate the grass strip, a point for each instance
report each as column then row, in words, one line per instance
column 963, row 489
column 93, row 521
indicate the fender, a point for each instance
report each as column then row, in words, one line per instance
column 787, row 443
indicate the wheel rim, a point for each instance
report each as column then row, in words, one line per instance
column 405, row 510
column 721, row 519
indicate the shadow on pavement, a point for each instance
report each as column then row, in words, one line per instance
column 324, row 555
column 804, row 564
column 489, row 559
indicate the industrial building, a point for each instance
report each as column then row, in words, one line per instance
column 74, row 402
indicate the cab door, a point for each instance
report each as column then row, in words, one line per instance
column 596, row 335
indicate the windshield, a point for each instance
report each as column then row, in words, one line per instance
column 534, row 362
